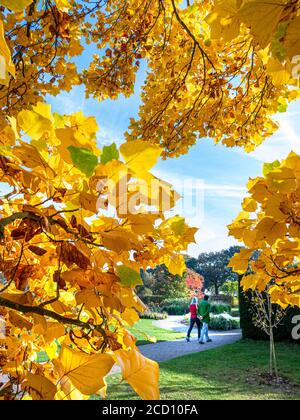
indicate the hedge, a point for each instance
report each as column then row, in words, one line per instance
column 219, row 308
column 221, row 323
column 157, row 316
column 282, row 333
column 178, row 306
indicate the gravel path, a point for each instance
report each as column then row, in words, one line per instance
column 161, row 352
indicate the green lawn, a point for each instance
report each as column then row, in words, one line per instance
column 223, row 373
column 145, row 327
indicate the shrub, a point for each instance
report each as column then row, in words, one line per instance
column 220, row 308
column 154, row 301
column 176, row 306
column 175, row 309
column 223, row 323
column 181, row 307
column 157, row 316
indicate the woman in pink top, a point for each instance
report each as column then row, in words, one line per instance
column 194, row 319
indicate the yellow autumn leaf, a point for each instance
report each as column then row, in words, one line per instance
column 258, row 189
column 86, row 372
column 84, row 129
column 249, row 205
column 36, row 122
column 270, row 230
column 294, row 230
column 291, row 40
column 176, row 265
column 7, row 136
column 6, row 65
column 15, row 5
column 259, row 15
column 40, row 387
column 249, row 282
column 140, row 156
column 273, row 207
column 54, row 330
column 89, row 298
column 223, row 20
column 281, row 73
column 63, row 5
column 130, row 316
column 141, row 373
column 283, row 179
column 30, row 157
column 255, row 281
column 278, row 296
column 240, row 261
column 88, row 202
column 142, row 223
column 119, row 240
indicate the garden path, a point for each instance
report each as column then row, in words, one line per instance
column 163, row 351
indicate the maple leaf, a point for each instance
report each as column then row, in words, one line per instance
column 70, row 255
column 140, row 372
column 129, row 277
column 40, row 387
column 109, row 153
column 83, row 159
column 6, row 64
column 15, row 5
column 86, row 372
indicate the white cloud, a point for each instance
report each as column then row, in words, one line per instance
column 106, row 137
column 68, row 102
column 186, row 186
column 283, row 142
column 213, row 233
column 212, row 236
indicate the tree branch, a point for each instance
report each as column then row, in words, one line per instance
column 16, row 216
column 191, row 35
column 27, row 309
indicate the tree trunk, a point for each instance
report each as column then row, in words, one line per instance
column 271, row 351
column 271, row 336
column 273, row 358
column 216, row 289
column 275, row 366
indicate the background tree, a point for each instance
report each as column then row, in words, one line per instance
column 166, row 285
column 230, row 288
column 195, row 284
column 213, row 266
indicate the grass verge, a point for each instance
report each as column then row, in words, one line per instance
column 145, row 327
column 227, row 373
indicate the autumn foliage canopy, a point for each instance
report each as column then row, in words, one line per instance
column 78, row 223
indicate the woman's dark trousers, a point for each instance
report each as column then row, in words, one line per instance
column 199, row 325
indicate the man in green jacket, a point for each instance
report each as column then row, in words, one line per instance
column 204, row 314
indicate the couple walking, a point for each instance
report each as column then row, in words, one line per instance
column 200, row 315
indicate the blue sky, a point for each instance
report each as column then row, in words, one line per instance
column 217, row 176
